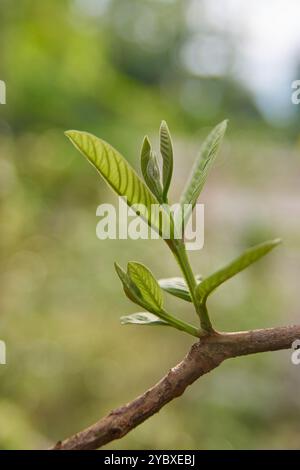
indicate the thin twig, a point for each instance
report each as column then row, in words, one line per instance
column 203, row 357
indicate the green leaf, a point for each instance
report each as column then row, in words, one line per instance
column 154, row 175
column 146, row 318
column 142, row 288
column 150, row 169
column 145, row 155
column 147, row 285
column 177, row 286
column 207, row 156
column 166, row 150
column 143, row 318
column 251, row 255
column 117, row 173
column 130, row 289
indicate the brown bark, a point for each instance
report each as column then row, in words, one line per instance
column 203, row 357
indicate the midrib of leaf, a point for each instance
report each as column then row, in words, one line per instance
column 147, row 284
column 199, row 173
column 166, row 150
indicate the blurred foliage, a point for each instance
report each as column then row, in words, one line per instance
column 117, row 68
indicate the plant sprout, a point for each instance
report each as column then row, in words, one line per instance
column 139, row 284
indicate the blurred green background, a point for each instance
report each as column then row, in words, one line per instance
column 117, row 68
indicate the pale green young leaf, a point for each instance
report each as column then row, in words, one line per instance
column 147, row 284
column 177, row 286
column 163, row 319
column 203, row 164
column 153, row 177
column 145, row 155
column 166, row 150
column 130, row 289
column 150, row 169
column 118, row 174
column 251, row 255
column 141, row 287
column 143, row 318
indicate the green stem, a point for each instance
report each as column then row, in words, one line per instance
column 179, row 324
column 179, row 251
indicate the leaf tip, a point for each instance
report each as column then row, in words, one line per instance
column 68, row 134
column 132, row 265
column 71, row 133
column 118, row 269
column 146, row 143
column 74, row 137
column 277, row 241
column 164, row 131
column 224, row 124
column 145, row 153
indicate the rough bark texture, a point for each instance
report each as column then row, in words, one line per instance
column 203, row 357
